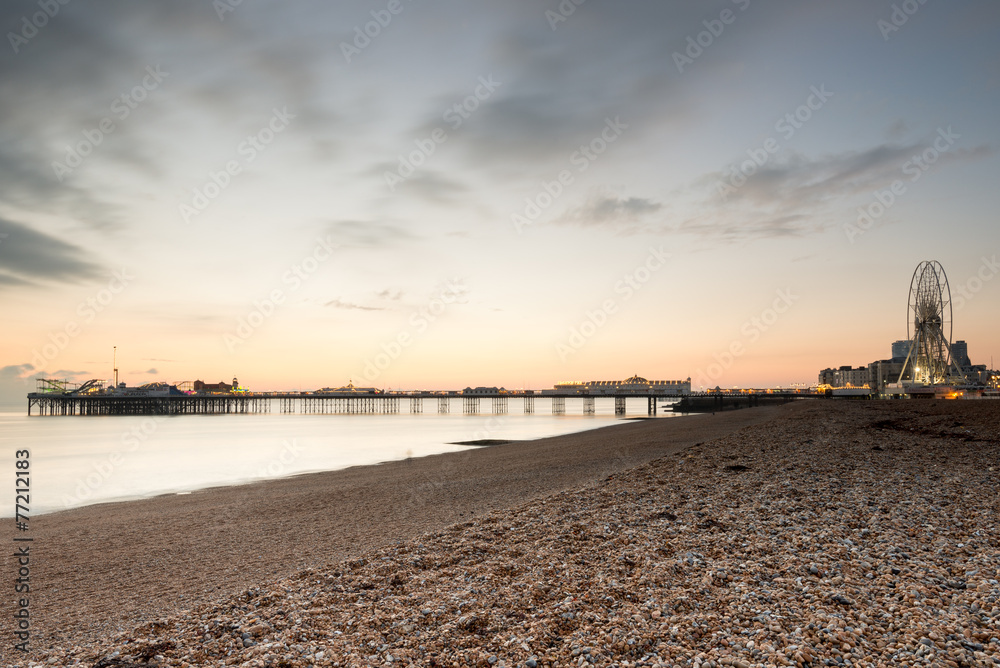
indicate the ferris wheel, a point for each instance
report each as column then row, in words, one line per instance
column 929, row 327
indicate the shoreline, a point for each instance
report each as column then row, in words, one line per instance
column 471, row 445
column 850, row 533
column 79, row 496
column 256, row 481
column 172, row 552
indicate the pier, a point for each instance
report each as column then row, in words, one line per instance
column 71, row 404
column 75, row 403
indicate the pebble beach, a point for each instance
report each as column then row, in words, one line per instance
column 820, row 533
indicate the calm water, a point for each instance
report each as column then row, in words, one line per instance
column 78, row 461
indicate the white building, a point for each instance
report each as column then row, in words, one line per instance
column 846, row 376
column 633, row 385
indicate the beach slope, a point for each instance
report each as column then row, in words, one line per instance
column 102, row 569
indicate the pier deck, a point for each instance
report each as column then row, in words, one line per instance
column 54, row 403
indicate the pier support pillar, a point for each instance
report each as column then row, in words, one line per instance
column 416, row 405
column 588, row 406
column 619, row 405
column 652, row 405
column 444, row 405
column 470, row 404
column 529, row 405
column 499, row 404
column 558, row 405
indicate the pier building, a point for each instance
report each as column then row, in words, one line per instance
column 634, row 385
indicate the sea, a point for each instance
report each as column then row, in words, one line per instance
column 77, row 461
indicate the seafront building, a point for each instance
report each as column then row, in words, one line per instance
column 350, row 388
column 845, row 376
column 482, row 389
column 635, row 384
column 221, row 386
column 880, row 373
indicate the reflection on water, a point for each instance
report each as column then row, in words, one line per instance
column 83, row 460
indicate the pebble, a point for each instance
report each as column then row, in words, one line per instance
column 766, row 568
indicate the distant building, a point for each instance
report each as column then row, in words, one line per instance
column 880, row 373
column 883, row 372
column 202, row 386
column 900, row 349
column 845, row 376
column 348, row 389
column 484, row 390
column 975, row 374
column 960, row 354
column 633, row 385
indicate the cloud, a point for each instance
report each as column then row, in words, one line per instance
column 434, row 186
column 151, row 372
column 799, row 181
column 16, row 371
column 47, row 98
column 6, row 279
column 390, row 295
column 799, row 196
column 15, row 383
column 357, row 234
column 339, row 303
column 897, row 130
column 27, row 256
column 623, row 213
column 65, row 80
column 552, row 91
column 757, row 227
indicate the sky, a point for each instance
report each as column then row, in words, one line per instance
column 430, row 195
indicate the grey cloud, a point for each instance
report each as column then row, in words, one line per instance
column 357, row 234
column 65, row 78
column 50, row 92
column 426, row 183
column 15, row 370
column 799, row 180
column 66, row 373
column 557, row 88
column 897, row 130
column 27, row 256
column 6, row 279
column 434, row 186
column 626, row 214
column 753, row 227
column 608, row 59
column 796, row 196
column 27, row 180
